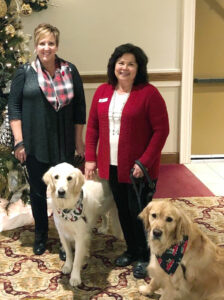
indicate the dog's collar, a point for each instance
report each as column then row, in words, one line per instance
column 171, row 258
column 73, row 214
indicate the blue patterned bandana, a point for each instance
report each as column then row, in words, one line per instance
column 171, row 258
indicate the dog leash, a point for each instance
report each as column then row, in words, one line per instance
column 139, row 183
column 24, row 168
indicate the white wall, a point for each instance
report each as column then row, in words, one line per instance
column 91, row 29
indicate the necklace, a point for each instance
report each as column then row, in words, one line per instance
column 115, row 111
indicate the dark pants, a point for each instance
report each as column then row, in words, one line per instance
column 38, row 196
column 128, row 211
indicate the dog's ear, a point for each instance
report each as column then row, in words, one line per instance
column 79, row 181
column 183, row 226
column 144, row 215
column 47, row 178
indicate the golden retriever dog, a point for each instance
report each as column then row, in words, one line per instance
column 185, row 264
column 77, row 204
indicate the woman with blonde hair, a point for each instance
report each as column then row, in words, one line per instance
column 47, row 114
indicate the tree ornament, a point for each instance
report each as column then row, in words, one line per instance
column 9, row 29
column 2, row 50
column 3, row 8
column 22, row 60
column 8, row 65
column 26, row 9
column 43, row 3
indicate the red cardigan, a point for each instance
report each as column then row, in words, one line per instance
column 143, row 132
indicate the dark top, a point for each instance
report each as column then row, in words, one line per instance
column 48, row 135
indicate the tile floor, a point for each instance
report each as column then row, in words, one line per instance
column 211, row 173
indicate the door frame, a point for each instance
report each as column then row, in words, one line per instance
column 189, row 10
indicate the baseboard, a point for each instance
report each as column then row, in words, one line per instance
column 170, row 158
column 207, row 157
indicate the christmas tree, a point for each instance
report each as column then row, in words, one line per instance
column 14, row 44
column 14, row 50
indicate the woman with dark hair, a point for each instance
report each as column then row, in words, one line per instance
column 128, row 121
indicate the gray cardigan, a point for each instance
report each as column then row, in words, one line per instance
column 48, row 135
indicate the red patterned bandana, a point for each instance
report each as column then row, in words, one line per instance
column 59, row 89
column 171, row 258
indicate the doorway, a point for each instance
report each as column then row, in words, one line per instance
column 208, row 88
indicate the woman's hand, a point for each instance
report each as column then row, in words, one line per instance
column 80, row 148
column 90, row 168
column 19, row 150
column 137, row 171
column 79, row 144
column 20, row 154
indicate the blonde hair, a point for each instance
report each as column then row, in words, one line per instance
column 43, row 29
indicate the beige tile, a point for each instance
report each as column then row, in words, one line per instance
column 216, row 188
column 211, row 174
column 218, row 168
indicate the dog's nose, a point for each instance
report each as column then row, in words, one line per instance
column 61, row 193
column 157, row 233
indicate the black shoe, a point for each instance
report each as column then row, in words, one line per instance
column 62, row 254
column 125, row 259
column 39, row 246
column 140, row 270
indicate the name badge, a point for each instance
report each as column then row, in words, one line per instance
column 103, row 100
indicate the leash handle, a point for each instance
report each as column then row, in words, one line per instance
column 141, row 182
column 149, row 180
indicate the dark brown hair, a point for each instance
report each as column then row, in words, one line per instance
column 141, row 60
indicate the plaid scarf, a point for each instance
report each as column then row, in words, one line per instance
column 58, row 90
column 171, row 258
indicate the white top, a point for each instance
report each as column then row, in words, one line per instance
column 115, row 111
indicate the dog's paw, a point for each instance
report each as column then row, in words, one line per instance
column 75, row 281
column 67, row 268
column 145, row 290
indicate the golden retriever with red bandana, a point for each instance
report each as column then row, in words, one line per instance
column 185, row 264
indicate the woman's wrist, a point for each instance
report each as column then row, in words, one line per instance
column 18, row 144
column 16, row 141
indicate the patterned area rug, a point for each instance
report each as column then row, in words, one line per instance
column 26, row 276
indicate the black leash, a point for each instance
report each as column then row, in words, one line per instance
column 25, row 172
column 139, row 183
